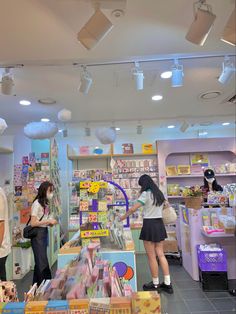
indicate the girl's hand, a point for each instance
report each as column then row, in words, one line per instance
column 52, row 222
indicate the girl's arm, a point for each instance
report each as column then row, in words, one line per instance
column 34, row 222
column 131, row 211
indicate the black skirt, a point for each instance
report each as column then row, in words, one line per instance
column 153, row 230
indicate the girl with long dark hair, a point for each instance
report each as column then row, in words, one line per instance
column 153, row 232
column 41, row 218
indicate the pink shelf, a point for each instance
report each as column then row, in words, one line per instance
column 218, row 235
column 201, row 176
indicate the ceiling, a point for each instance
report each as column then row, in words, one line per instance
column 41, row 34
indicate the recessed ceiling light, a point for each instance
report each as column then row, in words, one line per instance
column 25, row 102
column 226, row 123
column 202, row 133
column 47, row 101
column 45, row 120
column 210, row 95
column 166, row 75
column 117, row 129
column 60, row 130
column 157, row 97
column 171, row 126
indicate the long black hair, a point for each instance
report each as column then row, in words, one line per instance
column 146, row 183
column 42, row 193
column 215, row 186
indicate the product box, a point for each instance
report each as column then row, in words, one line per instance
column 14, row 308
column 170, row 246
column 120, row 305
column 80, row 306
column 147, row 149
column 171, row 171
column 57, row 307
column 100, row 306
column 146, row 302
column 35, row 307
column 84, row 150
column 2, row 305
column 128, row 148
column 183, row 169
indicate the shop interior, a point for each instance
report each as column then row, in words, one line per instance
column 93, row 95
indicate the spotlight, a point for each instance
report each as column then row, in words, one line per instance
column 138, row 76
column 177, row 75
column 171, row 126
column 229, row 35
column 25, row 102
column 94, row 30
column 65, row 133
column 226, row 123
column 45, row 120
column 166, row 75
column 228, row 69
column 184, row 126
column 139, row 129
column 7, row 82
column 157, row 97
column 202, row 133
column 85, row 81
column 202, row 24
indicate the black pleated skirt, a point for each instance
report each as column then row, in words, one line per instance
column 153, row 230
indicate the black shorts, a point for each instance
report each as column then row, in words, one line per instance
column 153, row 230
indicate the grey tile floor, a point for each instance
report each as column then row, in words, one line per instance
column 188, row 296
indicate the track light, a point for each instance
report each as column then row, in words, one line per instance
column 184, row 126
column 87, row 130
column 94, row 30
column 228, row 70
column 139, row 129
column 229, row 33
column 85, row 81
column 138, row 76
column 177, row 75
column 7, row 82
column 202, row 24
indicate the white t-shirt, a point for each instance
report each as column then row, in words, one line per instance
column 38, row 211
column 5, row 247
column 150, row 211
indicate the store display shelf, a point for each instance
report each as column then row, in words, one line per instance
column 175, row 196
column 85, row 157
column 200, row 176
column 218, row 235
column 135, row 155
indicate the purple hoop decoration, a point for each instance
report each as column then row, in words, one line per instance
column 126, row 199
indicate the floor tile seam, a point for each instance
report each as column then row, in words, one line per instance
column 213, row 303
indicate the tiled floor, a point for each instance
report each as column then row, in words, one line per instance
column 188, row 296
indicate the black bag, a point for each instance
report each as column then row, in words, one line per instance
column 30, row 232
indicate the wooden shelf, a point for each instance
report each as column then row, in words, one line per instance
column 200, row 176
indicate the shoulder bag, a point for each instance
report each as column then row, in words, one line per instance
column 30, row 232
column 169, row 215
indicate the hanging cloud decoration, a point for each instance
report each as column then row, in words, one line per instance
column 3, row 126
column 106, row 135
column 64, row 115
column 40, row 130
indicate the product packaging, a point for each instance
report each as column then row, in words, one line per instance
column 146, row 302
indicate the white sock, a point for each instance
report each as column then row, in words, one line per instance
column 155, row 281
column 167, row 280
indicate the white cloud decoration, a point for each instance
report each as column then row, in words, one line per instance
column 3, row 126
column 64, row 115
column 106, row 135
column 40, row 130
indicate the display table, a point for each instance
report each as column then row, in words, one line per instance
column 123, row 260
column 192, row 235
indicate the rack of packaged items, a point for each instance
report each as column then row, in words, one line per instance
column 78, row 176
column 194, row 170
column 126, row 173
column 218, row 222
column 138, row 303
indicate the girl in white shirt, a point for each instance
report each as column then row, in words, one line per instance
column 41, row 218
column 153, row 232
